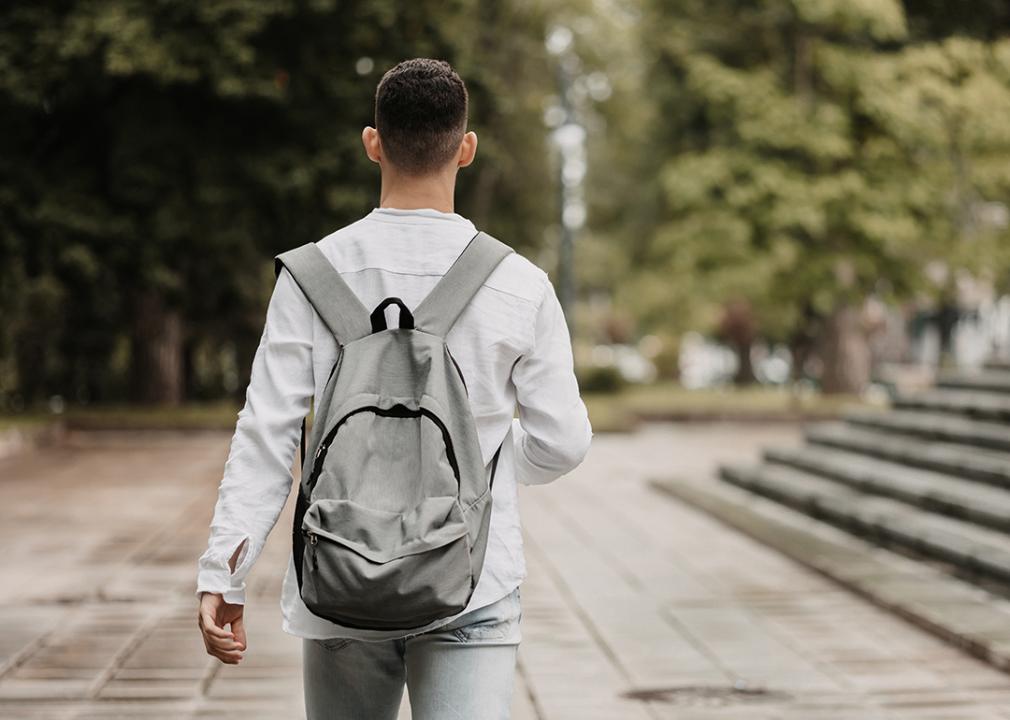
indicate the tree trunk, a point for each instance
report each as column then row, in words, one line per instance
column 739, row 328
column 845, row 352
column 189, row 379
column 744, row 367
column 157, row 351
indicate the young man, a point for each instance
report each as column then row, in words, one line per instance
column 513, row 348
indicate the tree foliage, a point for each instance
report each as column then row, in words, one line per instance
column 764, row 166
column 811, row 153
column 157, row 154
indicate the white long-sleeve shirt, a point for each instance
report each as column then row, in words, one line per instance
column 512, row 346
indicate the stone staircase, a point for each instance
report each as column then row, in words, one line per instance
column 930, row 478
column 909, row 507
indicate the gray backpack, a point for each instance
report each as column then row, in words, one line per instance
column 394, row 503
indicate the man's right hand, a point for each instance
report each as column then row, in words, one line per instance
column 227, row 646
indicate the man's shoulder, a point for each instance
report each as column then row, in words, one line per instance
column 519, row 276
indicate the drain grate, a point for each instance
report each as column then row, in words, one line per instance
column 740, row 693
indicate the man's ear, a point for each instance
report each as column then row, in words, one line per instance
column 370, row 139
column 467, row 149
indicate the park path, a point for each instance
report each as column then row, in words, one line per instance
column 636, row 607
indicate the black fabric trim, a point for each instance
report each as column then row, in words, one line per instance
column 357, row 625
column 378, row 316
column 494, row 466
column 302, row 463
column 398, row 410
column 297, row 537
column 459, row 371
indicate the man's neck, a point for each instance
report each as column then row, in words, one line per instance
column 413, row 193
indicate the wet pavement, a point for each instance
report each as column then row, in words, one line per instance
column 636, row 606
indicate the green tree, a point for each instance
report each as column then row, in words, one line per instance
column 157, row 154
column 814, row 153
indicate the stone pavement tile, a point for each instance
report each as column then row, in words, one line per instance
column 59, row 524
column 523, row 707
column 940, row 698
column 234, row 685
column 974, row 678
column 566, row 670
column 22, row 629
column 777, row 599
column 43, row 689
column 626, row 591
column 885, row 674
column 717, row 562
column 148, row 689
column 744, row 648
column 36, row 711
column 77, row 656
column 128, row 710
column 778, row 707
column 230, row 710
column 169, row 651
column 625, row 623
column 148, row 582
column 936, row 598
column 830, row 626
column 161, row 673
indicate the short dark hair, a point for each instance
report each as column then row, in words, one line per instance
column 420, row 113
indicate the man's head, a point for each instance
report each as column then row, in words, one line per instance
column 420, row 119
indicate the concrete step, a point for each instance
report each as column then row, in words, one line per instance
column 964, row 461
column 969, row 548
column 926, row 489
column 986, row 380
column 970, row 403
column 937, row 426
column 998, row 364
column 966, row 616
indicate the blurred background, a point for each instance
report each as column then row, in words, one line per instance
column 787, row 194
column 757, row 214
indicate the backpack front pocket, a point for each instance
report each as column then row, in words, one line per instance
column 371, row 568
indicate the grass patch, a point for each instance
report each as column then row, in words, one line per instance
column 668, row 401
column 192, row 416
column 609, row 412
column 24, row 421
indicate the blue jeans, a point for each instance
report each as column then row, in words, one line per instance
column 463, row 669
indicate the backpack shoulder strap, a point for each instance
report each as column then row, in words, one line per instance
column 335, row 302
column 438, row 312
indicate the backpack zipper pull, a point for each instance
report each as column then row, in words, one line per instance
column 313, row 541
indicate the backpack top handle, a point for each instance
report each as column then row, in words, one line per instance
column 378, row 317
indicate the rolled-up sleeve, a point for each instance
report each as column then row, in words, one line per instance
column 552, row 433
column 257, row 474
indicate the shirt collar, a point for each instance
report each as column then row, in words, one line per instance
column 413, row 214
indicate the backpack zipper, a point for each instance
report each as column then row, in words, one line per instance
column 398, row 411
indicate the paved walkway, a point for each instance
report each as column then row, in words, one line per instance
column 635, row 607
